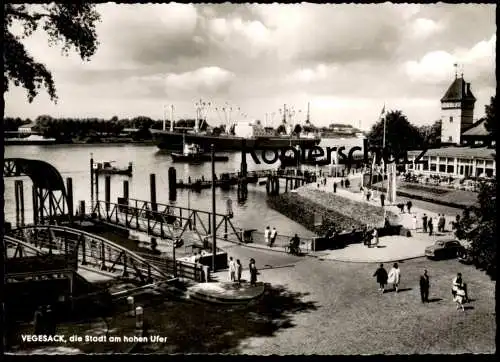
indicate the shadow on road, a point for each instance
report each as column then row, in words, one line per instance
column 204, row 328
column 433, row 300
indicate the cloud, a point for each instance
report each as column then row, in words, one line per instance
column 207, row 81
column 436, row 66
column 423, row 28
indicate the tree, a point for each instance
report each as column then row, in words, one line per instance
column 478, row 225
column 297, row 129
column 73, row 25
column 400, row 134
column 431, row 135
column 490, row 124
column 281, row 129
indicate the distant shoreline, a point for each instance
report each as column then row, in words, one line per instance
column 18, row 142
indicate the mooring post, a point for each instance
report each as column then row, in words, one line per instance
column 69, row 196
column 243, row 158
column 125, row 190
column 172, row 184
column 152, row 185
column 82, row 209
column 107, row 193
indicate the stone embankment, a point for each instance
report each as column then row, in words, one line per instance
column 305, row 205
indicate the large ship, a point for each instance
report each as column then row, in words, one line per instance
column 248, row 133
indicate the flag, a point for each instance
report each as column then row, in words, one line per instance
column 383, row 111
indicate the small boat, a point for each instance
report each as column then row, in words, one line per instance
column 105, row 168
column 193, row 153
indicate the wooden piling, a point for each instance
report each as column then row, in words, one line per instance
column 107, row 192
column 172, row 184
column 152, row 188
column 125, row 190
column 69, row 196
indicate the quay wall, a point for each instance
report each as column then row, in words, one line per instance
column 303, row 205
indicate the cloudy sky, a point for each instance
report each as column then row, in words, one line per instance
column 346, row 60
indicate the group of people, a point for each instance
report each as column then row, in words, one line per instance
column 343, row 183
column 401, row 207
column 270, row 236
column 428, row 224
column 458, row 289
column 384, row 278
column 236, row 270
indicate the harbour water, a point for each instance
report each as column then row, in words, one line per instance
column 74, row 161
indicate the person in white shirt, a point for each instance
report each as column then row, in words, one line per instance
column 273, row 235
column 395, row 277
column 267, row 234
column 232, row 269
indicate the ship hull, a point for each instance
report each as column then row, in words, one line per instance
column 179, row 157
column 23, row 142
column 174, row 141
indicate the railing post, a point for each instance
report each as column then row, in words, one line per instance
column 84, row 249
column 225, row 227
column 125, row 272
column 103, row 256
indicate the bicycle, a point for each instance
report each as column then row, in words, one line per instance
column 293, row 250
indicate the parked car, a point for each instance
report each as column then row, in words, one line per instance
column 444, row 249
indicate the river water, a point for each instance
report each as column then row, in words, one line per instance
column 74, row 161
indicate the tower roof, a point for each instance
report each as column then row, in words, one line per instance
column 458, row 91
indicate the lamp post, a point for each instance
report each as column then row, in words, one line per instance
column 212, row 149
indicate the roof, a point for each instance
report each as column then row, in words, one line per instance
column 477, row 129
column 458, row 92
column 29, row 125
column 460, row 152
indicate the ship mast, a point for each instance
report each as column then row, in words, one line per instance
column 171, row 118
column 308, row 110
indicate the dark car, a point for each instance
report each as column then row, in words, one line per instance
column 444, row 249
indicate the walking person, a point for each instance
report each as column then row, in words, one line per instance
column 414, row 222
column 342, row 183
column 395, row 277
column 382, row 277
column 334, row 187
column 382, row 199
column 442, row 223
column 232, row 269
column 424, row 223
column 424, row 287
column 239, row 270
column 253, row 272
column 267, row 234
column 347, row 183
column 430, row 226
column 273, row 236
column 459, row 298
column 456, row 284
column 374, row 241
column 408, row 206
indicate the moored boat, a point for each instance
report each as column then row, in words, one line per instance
column 193, row 153
column 106, row 168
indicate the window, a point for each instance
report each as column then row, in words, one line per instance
column 425, row 166
column 450, row 139
column 433, row 167
column 451, row 119
column 449, row 169
column 442, row 168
